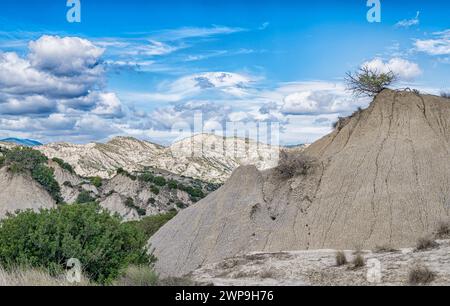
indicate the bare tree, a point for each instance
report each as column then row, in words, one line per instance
column 369, row 82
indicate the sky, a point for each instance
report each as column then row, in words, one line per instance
column 147, row 68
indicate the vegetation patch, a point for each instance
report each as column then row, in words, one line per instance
column 129, row 202
column 426, row 243
column 293, row 163
column 49, row 238
column 63, row 165
column 28, row 161
column 420, row 275
column 341, row 259
column 151, row 224
column 84, row 197
column 369, row 82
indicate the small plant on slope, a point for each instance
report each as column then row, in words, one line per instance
column 369, row 82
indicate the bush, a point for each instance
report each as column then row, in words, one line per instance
column 294, row 163
column 45, row 177
column 96, row 181
column 160, row 181
column 426, row 243
column 28, row 161
column 146, row 177
column 172, row 184
column 340, row 259
column 151, row 201
column 384, row 249
column 369, row 82
column 121, row 171
column 151, row 224
column 129, row 202
column 358, row 261
column 181, row 205
column 48, row 239
column 138, row 276
column 443, row 230
column 445, row 95
column 2, row 161
column 420, row 275
column 154, row 189
column 63, row 164
column 84, row 197
column 24, row 159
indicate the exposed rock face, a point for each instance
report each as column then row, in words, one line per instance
column 383, row 177
column 202, row 156
column 19, row 192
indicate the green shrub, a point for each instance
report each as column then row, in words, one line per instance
column 27, row 160
column 192, row 191
column 151, row 201
column 96, row 181
column 151, row 224
column 84, row 197
column 63, row 164
column 181, row 205
column 2, row 161
column 48, row 239
column 172, row 184
column 154, row 189
column 160, row 181
column 44, row 176
column 23, row 159
column 129, row 202
column 369, row 82
column 121, row 171
column 68, row 184
column 146, row 177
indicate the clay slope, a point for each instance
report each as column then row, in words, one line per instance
column 19, row 192
column 381, row 178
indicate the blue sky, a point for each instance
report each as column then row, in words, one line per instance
column 139, row 67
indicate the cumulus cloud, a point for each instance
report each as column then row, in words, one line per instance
column 67, row 56
column 404, row 69
column 56, row 90
column 438, row 45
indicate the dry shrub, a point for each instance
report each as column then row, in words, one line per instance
column 445, row 95
column 443, row 230
column 358, row 261
column 384, row 249
column 341, row 259
column 426, row 243
column 420, row 275
column 35, row 277
column 294, row 163
column 138, row 276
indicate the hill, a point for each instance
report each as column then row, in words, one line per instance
column 381, row 178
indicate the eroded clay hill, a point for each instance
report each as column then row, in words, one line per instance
column 381, row 178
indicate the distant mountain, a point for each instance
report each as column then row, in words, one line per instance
column 210, row 164
column 22, row 142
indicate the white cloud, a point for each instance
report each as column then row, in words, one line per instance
column 405, row 69
column 196, row 32
column 439, row 45
column 65, row 56
column 406, row 23
column 108, row 105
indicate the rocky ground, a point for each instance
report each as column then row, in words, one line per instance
column 318, row 267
